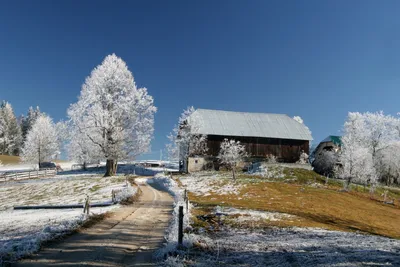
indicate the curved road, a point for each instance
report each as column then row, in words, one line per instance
column 128, row 238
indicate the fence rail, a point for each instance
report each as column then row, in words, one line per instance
column 35, row 174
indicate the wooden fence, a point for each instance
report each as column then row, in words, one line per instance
column 35, row 174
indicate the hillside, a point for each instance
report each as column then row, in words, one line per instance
column 9, row 159
column 14, row 160
column 300, row 193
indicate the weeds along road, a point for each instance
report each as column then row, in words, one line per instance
column 127, row 238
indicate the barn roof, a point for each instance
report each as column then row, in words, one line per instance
column 337, row 140
column 230, row 123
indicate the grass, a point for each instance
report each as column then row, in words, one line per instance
column 5, row 159
column 9, row 159
column 304, row 193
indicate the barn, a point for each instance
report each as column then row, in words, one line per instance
column 263, row 134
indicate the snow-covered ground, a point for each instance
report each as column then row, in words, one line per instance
column 17, row 167
column 22, row 231
column 206, row 182
column 65, row 165
column 62, row 189
column 281, row 247
column 274, row 246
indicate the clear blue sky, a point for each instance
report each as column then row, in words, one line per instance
column 315, row 59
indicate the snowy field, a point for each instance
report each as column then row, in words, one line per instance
column 22, row 231
column 281, row 247
column 246, row 246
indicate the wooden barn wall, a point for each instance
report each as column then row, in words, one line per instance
column 286, row 150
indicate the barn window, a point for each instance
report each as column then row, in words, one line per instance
column 196, row 161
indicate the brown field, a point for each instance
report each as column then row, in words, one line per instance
column 314, row 203
column 9, row 159
column 5, row 159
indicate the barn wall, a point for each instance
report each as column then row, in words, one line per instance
column 286, row 150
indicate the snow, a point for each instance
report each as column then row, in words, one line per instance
column 253, row 215
column 169, row 185
column 17, row 167
column 292, row 247
column 273, row 246
column 206, row 182
column 22, row 231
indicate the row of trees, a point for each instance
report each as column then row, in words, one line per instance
column 13, row 130
column 370, row 146
column 369, row 152
column 112, row 120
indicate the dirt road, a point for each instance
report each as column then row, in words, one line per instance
column 127, row 238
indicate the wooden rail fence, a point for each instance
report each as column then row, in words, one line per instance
column 24, row 175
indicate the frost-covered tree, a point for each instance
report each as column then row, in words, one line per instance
column 80, row 149
column 10, row 132
column 27, row 122
column 301, row 158
column 231, row 153
column 378, row 130
column 325, row 162
column 113, row 113
column 42, row 142
column 357, row 152
column 387, row 164
column 298, row 119
column 184, row 140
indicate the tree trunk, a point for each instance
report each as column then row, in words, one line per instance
column 111, row 167
column 233, row 173
column 84, row 166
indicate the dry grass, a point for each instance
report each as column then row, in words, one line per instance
column 9, row 159
column 5, row 159
column 314, row 203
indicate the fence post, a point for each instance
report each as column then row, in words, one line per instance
column 112, row 196
column 180, row 229
column 186, row 198
column 88, row 205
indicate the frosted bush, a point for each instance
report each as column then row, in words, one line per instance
column 127, row 192
column 303, row 158
column 271, row 159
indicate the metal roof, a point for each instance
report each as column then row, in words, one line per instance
column 230, row 123
column 337, row 140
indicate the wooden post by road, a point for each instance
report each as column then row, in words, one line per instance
column 186, row 199
column 180, row 229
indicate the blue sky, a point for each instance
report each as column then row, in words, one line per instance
column 315, row 59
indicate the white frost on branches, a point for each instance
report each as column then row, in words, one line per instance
column 10, row 131
column 365, row 134
column 184, row 141
column 298, row 119
column 42, row 142
column 113, row 114
column 231, row 153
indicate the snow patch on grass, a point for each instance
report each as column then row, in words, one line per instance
column 252, row 215
column 290, row 247
column 23, row 231
column 204, row 183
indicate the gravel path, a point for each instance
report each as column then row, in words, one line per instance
column 128, row 238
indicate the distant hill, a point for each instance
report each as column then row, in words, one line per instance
column 9, row 159
column 5, row 159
